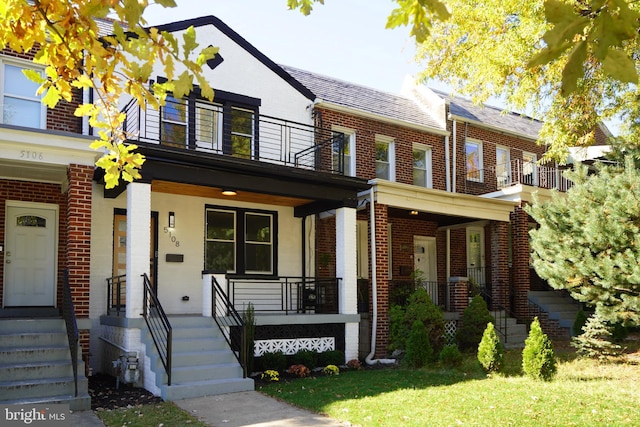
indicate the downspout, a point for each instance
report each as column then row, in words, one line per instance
column 447, row 160
column 304, row 249
column 455, row 156
column 374, row 286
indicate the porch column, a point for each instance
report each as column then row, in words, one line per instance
column 520, row 253
column 499, row 265
column 138, row 243
column 346, row 262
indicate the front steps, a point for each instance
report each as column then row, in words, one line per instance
column 35, row 364
column 509, row 330
column 558, row 306
column 202, row 362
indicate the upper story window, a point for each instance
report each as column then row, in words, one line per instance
column 349, row 152
column 240, row 241
column 529, row 168
column 227, row 127
column 385, row 158
column 422, row 166
column 503, row 166
column 473, row 160
column 20, row 104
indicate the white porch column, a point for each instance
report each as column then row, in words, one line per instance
column 346, row 269
column 138, row 243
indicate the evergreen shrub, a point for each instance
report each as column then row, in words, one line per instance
column 595, row 342
column 491, row 350
column 419, row 307
column 538, row 359
column 579, row 322
column 474, row 321
column 419, row 350
column 308, row 358
column 274, row 361
column 330, row 357
column 450, row 356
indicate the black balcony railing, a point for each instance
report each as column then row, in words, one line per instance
column 288, row 295
column 116, row 295
column 516, row 172
column 208, row 128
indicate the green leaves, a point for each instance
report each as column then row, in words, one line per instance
column 419, row 15
column 305, row 6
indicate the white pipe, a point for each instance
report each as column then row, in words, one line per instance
column 448, row 254
column 374, row 286
column 447, row 160
column 455, row 148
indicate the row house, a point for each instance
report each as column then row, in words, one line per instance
column 153, row 277
column 449, row 180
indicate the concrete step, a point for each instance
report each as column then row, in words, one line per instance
column 36, row 370
column 206, row 388
column 196, row 344
column 196, row 358
column 80, row 403
column 41, row 388
column 33, row 339
column 11, row 326
column 34, row 354
column 189, row 374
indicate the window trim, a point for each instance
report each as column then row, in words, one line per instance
column 480, row 178
column 350, row 137
column 428, row 155
column 240, row 240
column 28, row 65
column 390, row 141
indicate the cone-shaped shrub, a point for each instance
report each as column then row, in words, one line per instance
column 474, row 321
column 538, row 359
column 450, row 356
column 491, row 350
column 596, row 340
column 419, row 349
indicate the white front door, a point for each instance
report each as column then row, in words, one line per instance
column 425, row 262
column 30, row 256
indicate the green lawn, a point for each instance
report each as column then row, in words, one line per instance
column 584, row 393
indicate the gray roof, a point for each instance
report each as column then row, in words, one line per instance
column 493, row 116
column 363, row 98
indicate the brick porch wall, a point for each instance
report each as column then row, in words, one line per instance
column 382, row 278
column 520, row 261
column 499, row 263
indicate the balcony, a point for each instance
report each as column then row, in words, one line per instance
column 498, row 177
column 211, row 129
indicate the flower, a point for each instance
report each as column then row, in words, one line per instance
column 270, row 376
column 331, row 370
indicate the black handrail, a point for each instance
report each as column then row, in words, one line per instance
column 230, row 323
column 159, row 325
column 116, row 287
column 69, row 315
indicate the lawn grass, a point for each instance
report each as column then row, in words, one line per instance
column 159, row 414
column 584, row 393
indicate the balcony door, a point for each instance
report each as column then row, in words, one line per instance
column 476, row 256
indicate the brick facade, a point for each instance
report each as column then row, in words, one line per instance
column 520, row 262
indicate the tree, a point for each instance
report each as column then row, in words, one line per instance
column 588, row 241
column 64, row 37
column 491, row 350
column 571, row 63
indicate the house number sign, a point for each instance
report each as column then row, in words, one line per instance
column 31, row 155
column 172, row 237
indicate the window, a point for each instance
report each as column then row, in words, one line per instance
column 174, row 122
column 209, row 126
column 349, row 155
column 503, row 167
column 20, row 104
column 473, row 159
column 422, row 166
column 385, row 167
column 241, row 132
column 529, row 169
column 240, row 241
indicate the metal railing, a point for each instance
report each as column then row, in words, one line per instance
column 207, row 127
column 497, row 177
column 400, row 290
column 69, row 315
column 480, row 281
column 116, row 295
column 285, row 294
column 159, row 326
column 230, row 324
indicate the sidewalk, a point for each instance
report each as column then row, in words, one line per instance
column 248, row 408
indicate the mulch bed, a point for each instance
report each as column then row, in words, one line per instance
column 105, row 395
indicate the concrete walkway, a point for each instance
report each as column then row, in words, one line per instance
column 248, row 408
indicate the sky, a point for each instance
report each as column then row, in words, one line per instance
column 344, row 39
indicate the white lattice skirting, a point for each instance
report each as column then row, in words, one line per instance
column 292, row 346
column 450, row 331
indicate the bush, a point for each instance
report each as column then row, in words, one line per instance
column 248, row 317
column 299, row 371
column 419, row 350
column 354, row 364
column 331, row 357
column 596, row 340
column 491, row 350
column 331, row 370
column 450, row 356
column 308, row 358
column 275, row 361
column 538, row 359
column 579, row 322
column 419, row 307
column 474, row 321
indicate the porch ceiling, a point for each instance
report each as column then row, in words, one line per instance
column 216, row 193
column 440, row 204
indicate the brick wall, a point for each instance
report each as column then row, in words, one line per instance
column 520, row 261
column 499, row 263
column 326, row 247
column 382, row 275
